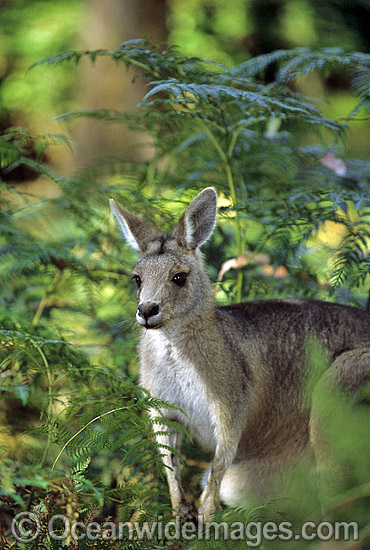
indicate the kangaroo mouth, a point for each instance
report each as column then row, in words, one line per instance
column 152, row 322
column 158, row 325
column 151, row 326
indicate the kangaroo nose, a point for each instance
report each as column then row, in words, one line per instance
column 147, row 310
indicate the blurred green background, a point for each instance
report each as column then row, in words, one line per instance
column 228, row 32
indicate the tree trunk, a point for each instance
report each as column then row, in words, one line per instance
column 107, row 84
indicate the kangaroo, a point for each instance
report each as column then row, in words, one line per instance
column 237, row 372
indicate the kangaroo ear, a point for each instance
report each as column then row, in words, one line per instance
column 137, row 232
column 197, row 224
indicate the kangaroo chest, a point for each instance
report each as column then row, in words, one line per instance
column 169, row 375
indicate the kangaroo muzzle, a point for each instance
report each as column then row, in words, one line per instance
column 148, row 314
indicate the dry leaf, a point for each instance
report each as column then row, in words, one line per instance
column 241, row 261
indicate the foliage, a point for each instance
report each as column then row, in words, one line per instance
column 67, row 366
column 226, row 31
column 29, row 30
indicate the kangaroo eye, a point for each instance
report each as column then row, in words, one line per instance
column 137, row 280
column 180, row 279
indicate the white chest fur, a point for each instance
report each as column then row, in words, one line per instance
column 170, row 376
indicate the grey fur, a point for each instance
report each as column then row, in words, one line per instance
column 237, row 371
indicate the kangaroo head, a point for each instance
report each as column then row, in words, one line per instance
column 170, row 278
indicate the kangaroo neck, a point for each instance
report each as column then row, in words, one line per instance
column 190, row 333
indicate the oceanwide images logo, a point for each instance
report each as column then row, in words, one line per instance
column 26, row 528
